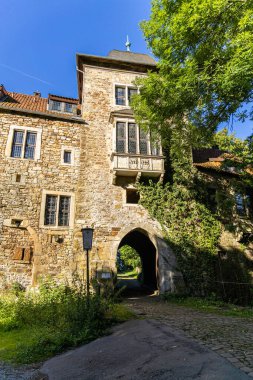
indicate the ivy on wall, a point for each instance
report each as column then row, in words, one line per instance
column 190, row 229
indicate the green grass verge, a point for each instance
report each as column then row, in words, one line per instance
column 210, row 306
column 33, row 344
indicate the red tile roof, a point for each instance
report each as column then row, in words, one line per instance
column 215, row 159
column 33, row 104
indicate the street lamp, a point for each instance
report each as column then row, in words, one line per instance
column 87, row 234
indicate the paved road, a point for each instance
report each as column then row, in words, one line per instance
column 141, row 349
column 230, row 337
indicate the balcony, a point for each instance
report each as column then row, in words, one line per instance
column 137, row 165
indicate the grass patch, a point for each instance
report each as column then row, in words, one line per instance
column 128, row 274
column 119, row 313
column 34, row 327
column 210, row 306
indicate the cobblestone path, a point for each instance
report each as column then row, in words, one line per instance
column 230, row 337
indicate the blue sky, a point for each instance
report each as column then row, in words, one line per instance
column 39, row 40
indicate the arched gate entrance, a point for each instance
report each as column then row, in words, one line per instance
column 140, row 241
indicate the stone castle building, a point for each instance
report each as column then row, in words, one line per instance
column 68, row 163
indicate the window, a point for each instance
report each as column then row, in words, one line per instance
column 120, row 137
column 68, row 107
column 67, row 157
column 123, row 95
column 55, row 106
column 143, row 142
column 23, row 144
column 242, row 202
column 131, row 91
column 59, row 106
column 132, row 196
column 57, row 210
column 131, row 139
column 120, row 95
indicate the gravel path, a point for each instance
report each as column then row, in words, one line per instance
column 230, row 337
column 8, row 372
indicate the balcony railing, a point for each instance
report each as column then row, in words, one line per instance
column 127, row 164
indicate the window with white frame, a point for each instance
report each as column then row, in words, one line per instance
column 64, row 107
column 131, row 139
column 57, row 209
column 24, row 142
column 123, row 94
column 56, row 106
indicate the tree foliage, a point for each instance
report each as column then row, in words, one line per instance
column 205, row 70
column 130, row 257
column 242, row 149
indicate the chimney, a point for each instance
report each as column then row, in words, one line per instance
column 37, row 94
column 2, row 91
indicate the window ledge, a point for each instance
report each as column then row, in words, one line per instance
column 57, row 228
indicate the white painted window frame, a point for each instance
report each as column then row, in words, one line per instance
column 24, row 129
column 71, row 212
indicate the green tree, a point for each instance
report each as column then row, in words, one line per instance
column 130, row 257
column 242, row 149
column 205, row 71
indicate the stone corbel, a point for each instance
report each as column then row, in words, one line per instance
column 114, row 177
column 161, row 178
column 138, row 177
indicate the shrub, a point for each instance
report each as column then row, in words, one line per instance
column 58, row 316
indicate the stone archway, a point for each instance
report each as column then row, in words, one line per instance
column 148, row 254
column 169, row 277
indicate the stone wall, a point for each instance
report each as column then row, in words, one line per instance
column 98, row 203
column 22, row 200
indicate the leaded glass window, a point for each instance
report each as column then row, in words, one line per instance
column 17, row 144
column 64, row 210
column 120, row 137
column 132, row 138
column 30, row 145
column 50, row 210
column 143, row 142
column 131, row 91
column 120, row 95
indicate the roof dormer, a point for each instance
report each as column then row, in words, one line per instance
column 62, row 104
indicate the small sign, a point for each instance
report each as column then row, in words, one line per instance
column 106, row 275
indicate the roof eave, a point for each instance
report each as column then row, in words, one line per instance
column 42, row 114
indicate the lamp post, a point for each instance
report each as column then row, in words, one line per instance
column 87, row 234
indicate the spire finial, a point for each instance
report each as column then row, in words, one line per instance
column 128, row 44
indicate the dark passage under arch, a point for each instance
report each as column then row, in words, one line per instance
column 147, row 251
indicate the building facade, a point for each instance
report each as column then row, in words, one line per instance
column 68, row 163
